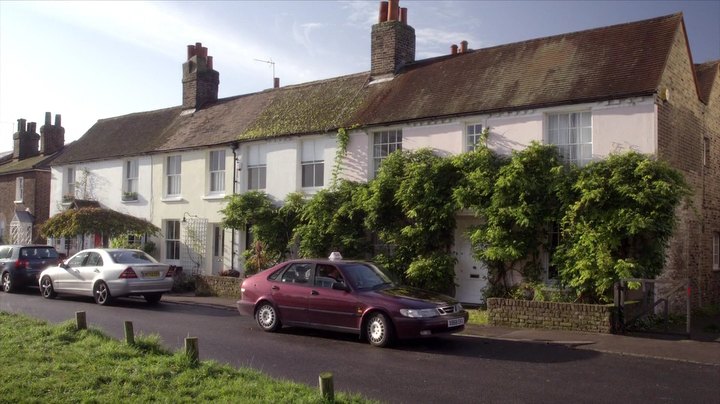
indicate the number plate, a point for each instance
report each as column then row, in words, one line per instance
column 152, row 274
column 455, row 322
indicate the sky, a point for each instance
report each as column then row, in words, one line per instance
column 92, row 60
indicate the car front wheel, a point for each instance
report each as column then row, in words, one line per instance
column 267, row 318
column 46, row 288
column 379, row 330
column 101, row 293
column 7, row 284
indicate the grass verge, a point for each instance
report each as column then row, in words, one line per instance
column 477, row 316
column 57, row 363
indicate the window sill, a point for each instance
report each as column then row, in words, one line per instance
column 172, row 199
column 19, row 201
column 214, row 197
column 129, row 201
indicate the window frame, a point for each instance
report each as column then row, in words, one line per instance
column 379, row 146
column 69, row 183
column 173, row 178
column 19, row 189
column 171, row 230
column 716, row 251
column 216, row 171
column 476, row 136
column 312, row 157
column 567, row 147
column 131, row 175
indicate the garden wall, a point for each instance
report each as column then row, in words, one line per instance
column 222, row 286
column 550, row 315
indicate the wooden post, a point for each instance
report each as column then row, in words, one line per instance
column 80, row 320
column 326, row 386
column 129, row 334
column 191, row 349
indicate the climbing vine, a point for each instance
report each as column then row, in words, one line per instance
column 343, row 139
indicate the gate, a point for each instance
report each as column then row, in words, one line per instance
column 646, row 305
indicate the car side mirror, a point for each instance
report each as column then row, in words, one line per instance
column 64, row 265
column 340, row 286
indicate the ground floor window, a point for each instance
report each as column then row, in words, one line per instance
column 172, row 240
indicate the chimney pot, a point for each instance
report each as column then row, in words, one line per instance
column 276, row 82
column 393, row 10
column 463, row 46
column 21, row 125
column 190, row 51
column 58, row 119
column 47, row 118
column 209, row 62
column 31, row 127
column 383, row 11
column 403, row 15
column 453, row 49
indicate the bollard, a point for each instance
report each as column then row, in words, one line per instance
column 191, row 349
column 129, row 334
column 80, row 320
column 326, row 386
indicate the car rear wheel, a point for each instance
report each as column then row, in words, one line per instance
column 267, row 318
column 7, row 283
column 46, row 288
column 101, row 293
column 152, row 298
column 379, row 330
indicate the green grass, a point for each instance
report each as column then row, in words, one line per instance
column 477, row 316
column 57, row 363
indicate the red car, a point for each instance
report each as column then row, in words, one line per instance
column 347, row 296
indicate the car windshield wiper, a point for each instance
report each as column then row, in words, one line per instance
column 382, row 285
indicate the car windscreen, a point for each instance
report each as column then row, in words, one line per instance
column 365, row 276
column 38, row 253
column 131, row 257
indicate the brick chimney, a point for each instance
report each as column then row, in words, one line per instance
column 392, row 40
column 52, row 137
column 25, row 141
column 200, row 81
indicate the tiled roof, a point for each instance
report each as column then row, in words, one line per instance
column 32, row 163
column 599, row 64
column 707, row 74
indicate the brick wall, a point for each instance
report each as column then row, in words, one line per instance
column 392, row 45
column 550, row 315
column 683, row 123
column 36, row 198
column 222, row 286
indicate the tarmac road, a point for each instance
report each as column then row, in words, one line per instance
column 453, row 369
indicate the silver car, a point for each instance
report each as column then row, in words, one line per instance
column 106, row 274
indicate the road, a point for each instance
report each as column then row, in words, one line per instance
column 453, row 369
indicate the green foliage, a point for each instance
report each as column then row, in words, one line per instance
column 410, row 206
column 269, row 224
column 333, row 221
column 619, row 223
column 256, row 258
column 73, row 222
column 343, row 139
column 123, row 241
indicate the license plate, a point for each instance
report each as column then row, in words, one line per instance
column 455, row 322
column 152, row 274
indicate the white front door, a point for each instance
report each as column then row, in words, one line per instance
column 470, row 274
column 218, row 248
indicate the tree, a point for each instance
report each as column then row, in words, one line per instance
column 110, row 223
column 410, row 206
column 618, row 223
column 333, row 220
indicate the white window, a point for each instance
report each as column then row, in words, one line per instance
column 716, row 251
column 69, row 183
column 257, row 167
column 572, row 134
column 19, row 189
column 217, row 171
column 473, row 136
column 384, row 143
column 173, row 170
column 130, row 182
column 312, row 164
column 172, row 239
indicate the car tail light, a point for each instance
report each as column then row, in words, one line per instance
column 170, row 272
column 129, row 273
column 22, row 264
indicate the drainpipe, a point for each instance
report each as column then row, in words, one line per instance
column 234, row 147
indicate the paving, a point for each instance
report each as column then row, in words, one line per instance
column 701, row 347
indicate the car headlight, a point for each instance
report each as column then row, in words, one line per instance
column 419, row 313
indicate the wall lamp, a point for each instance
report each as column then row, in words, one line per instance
column 187, row 215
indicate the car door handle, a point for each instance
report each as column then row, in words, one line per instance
column 97, row 271
column 314, row 293
column 275, row 288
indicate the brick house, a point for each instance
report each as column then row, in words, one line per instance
column 25, row 180
column 631, row 86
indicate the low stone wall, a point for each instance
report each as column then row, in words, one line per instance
column 550, row 315
column 222, row 286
